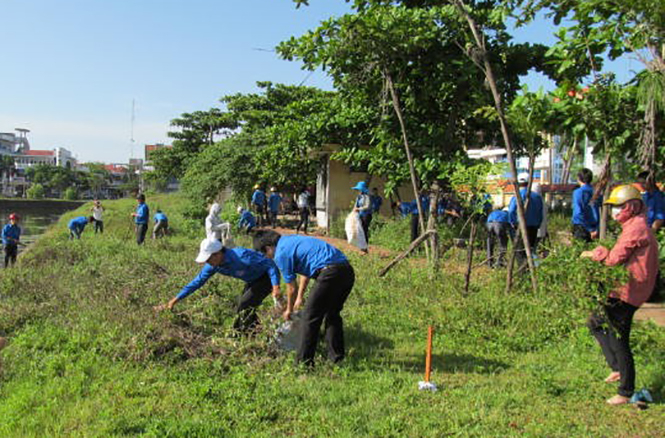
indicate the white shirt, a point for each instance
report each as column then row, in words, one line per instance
column 97, row 213
column 303, row 200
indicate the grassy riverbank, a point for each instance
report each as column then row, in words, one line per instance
column 89, row 356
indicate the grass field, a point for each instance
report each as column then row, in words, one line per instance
column 88, row 355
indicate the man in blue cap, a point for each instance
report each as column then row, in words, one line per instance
column 363, row 207
column 533, row 216
column 310, row 257
column 260, row 275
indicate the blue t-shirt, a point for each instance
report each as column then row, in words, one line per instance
column 364, row 200
column 500, row 216
column 247, row 220
column 241, row 263
column 376, row 203
column 78, row 223
column 161, row 217
column 405, row 208
column 305, row 255
column 584, row 213
column 258, row 197
column 424, row 203
column 273, row 202
column 534, row 214
column 143, row 213
column 655, row 202
column 10, row 234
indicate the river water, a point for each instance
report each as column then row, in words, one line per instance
column 36, row 216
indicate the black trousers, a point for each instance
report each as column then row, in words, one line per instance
column 260, row 214
column 304, row 219
column 160, row 229
column 532, row 237
column 99, row 226
column 497, row 232
column 581, row 233
column 252, row 296
column 11, row 251
column 415, row 225
column 365, row 221
column 326, row 301
column 141, row 229
column 272, row 215
column 611, row 328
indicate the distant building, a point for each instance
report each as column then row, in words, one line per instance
column 149, row 148
column 55, row 157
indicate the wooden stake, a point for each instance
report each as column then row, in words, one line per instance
column 428, row 357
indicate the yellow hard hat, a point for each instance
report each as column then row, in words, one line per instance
column 257, row 186
column 622, row 194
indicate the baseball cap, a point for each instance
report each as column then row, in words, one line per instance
column 208, row 247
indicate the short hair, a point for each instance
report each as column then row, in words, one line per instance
column 159, row 211
column 141, row 197
column 585, row 175
column 265, row 238
column 643, row 176
column 91, row 219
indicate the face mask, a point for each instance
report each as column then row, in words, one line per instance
column 616, row 211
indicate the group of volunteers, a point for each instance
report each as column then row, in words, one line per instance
column 265, row 209
column 261, row 269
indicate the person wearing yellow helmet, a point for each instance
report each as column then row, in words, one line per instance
column 636, row 249
column 259, row 204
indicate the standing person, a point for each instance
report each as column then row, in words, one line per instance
column 542, row 230
column 161, row 225
column 312, row 258
column 636, row 249
column 363, row 207
column 533, row 216
column 77, row 225
column 11, row 236
column 141, row 217
column 97, row 213
column 247, row 220
column 274, row 201
column 215, row 228
column 303, row 209
column 653, row 199
column 415, row 216
column 585, row 215
column 377, row 201
column 259, row 204
column 498, row 229
column 260, row 275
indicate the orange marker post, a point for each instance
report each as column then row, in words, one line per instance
column 428, row 357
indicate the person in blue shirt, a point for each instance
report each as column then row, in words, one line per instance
column 11, row 236
column 274, row 201
column 77, row 225
column 377, row 201
column 498, row 230
column 653, row 199
column 161, row 225
column 363, row 206
column 141, row 217
column 405, row 208
column 259, row 273
column 586, row 214
column 309, row 258
column 415, row 221
column 533, row 216
column 247, row 220
column 259, row 204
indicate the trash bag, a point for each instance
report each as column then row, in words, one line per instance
column 355, row 234
column 227, row 239
column 287, row 336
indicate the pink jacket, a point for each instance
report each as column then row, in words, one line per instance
column 637, row 249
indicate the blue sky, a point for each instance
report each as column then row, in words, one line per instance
column 69, row 69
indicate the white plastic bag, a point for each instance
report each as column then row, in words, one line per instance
column 227, row 239
column 287, row 336
column 355, row 234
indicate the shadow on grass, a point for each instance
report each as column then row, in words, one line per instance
column 453, row 363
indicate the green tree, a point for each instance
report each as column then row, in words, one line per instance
column 36, row 191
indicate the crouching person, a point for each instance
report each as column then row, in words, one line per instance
column 312, row 258
column 161, row 225
column 498, row 230
column 637, row 249
column 77, row 225
column 260, row 275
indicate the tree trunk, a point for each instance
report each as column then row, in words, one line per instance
column 568, row 161
column 408, row 251
column 469, row 256
column 486, row 67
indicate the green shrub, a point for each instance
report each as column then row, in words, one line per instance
column 70, row 194
column 36, row 191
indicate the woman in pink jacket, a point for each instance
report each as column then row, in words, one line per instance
column 637, row 250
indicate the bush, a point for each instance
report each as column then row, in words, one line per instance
column 36, row 191
column 70, row 194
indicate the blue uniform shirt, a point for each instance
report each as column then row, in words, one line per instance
column 161, row 217
column 78, row 223
column 498, row 216
column 584, row 213
column 534, row 214
column 273, row 202
column 247, row 220
column 305, row 255
column 10, row 234
column 361, row 201
column 655, row 202
column 241, row 263
column 405, row 208
column 424, row 201
column 376, row 203
column 143, row 214
column 258, row 197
